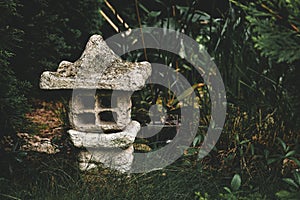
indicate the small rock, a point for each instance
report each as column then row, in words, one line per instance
column 36, row 143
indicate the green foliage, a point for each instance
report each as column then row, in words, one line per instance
column 236, row 182
column 53, row 31
column 58, row 176
column 12, row 100
column 200, row 197
column 284, row 152
column 275, row 27
column 13, row 103
column 294, row 187
column 234, row 192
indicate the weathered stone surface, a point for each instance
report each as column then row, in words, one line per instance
column 114, row 158
column 36, row 143
column 111, row 140
column 98, row 68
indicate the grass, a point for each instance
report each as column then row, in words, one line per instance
column 55, row 183
column 41, row 176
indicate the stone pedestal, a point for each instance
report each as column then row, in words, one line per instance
column 114, row 158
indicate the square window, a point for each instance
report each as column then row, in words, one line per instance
column 108, row 116
column 86, row 102
column 104, row 98
column 86, row 119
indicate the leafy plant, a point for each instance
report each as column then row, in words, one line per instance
column 275, row 32
column 234, row 192
column 13, row 103
column 285, row 153
column 200, row 197
column 293, row 191
column 235, row 185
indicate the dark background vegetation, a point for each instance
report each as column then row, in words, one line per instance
column 256, row 46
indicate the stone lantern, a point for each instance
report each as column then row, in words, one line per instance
column 100, row 107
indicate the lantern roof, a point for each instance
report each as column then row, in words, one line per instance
column 97, row 68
